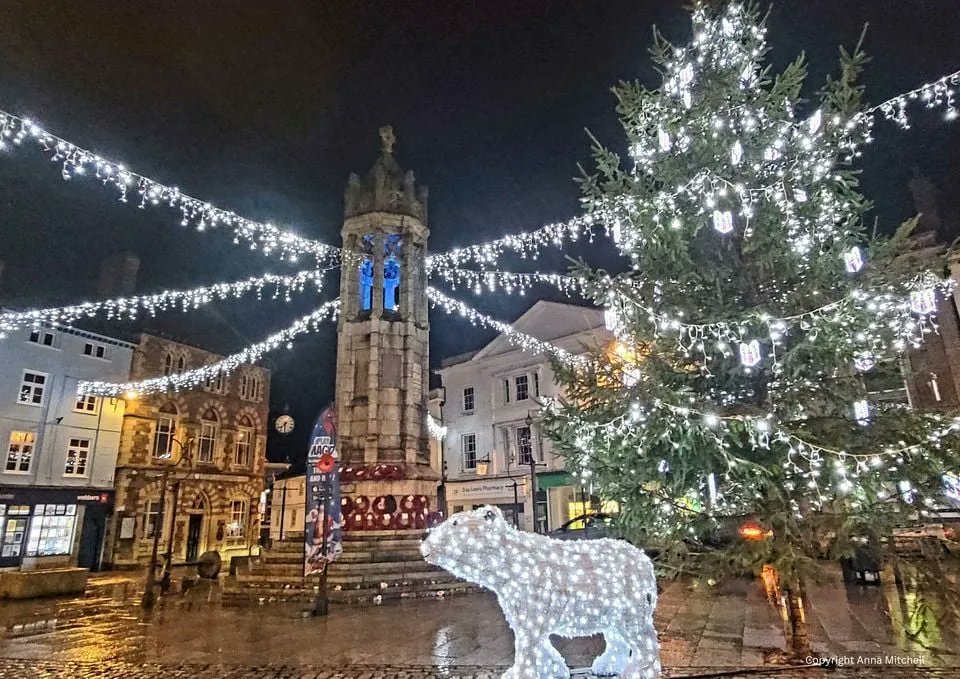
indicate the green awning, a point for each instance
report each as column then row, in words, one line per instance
column 554, row 480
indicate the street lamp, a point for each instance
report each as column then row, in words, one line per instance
column 532, row 461
column 149, row 595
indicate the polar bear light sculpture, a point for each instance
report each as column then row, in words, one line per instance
column 547, row 586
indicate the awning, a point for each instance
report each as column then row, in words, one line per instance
column 554, row 480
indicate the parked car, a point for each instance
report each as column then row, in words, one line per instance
column 585, row 527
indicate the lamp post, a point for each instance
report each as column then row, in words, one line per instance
column 532, row 461
column 149, row 595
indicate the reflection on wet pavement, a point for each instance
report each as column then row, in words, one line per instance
column 732, row 626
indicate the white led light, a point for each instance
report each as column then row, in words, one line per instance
column 546, row 586
column 923, row 301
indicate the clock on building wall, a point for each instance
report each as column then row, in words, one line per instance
column 284, row 424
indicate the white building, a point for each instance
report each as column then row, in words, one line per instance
column 491, row 415
column 56, row 481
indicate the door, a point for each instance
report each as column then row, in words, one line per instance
column 14, row 530
column 91, row 537
column 193, row 536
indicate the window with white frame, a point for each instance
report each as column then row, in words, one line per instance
column 89, row 405
column 207, row 443
column 32, row 387
column 522, row 384
column 166, row 431
column 238, row 520
column 20, row 452
column 94, row 349
column 151, row 519
column 244, row 446
column 45, row 338
column 524, row 445
column 78, row 453
column 250, row 387
column 468, row 446
column 469, row 399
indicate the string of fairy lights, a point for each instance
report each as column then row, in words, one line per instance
column 711, row 191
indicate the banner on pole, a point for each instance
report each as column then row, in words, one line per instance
column 323, row 523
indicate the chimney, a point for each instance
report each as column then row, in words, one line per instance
column 118, row 275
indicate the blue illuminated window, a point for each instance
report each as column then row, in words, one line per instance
column 391, row 272
column 366, row 284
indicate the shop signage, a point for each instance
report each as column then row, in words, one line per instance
column 484, row 488
column 71, row 496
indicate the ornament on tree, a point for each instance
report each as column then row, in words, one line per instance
column 750, row 353
column 923, row 301
column 853, row 258
column 723, row 221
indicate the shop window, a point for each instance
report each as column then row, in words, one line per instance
column 207, row 443
column 468, row 445
column 244, row 445
column 32, row 387
column 469, row 399
column 166, row 430
column 238, row 520
column 13, row 529
column 51, row 530
column 77, row 455
column 88, row 405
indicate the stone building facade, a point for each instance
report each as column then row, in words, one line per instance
column 209, row 442
column 383, row 349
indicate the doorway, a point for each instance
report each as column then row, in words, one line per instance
column 91, row 537
column 194, row 530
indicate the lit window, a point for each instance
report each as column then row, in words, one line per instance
column 77, row 455
column 468, row 400
column 51, row 530
column 87, row 404
column 238, row 520
column 207, row 444
column 523, row 387
column 46, row 338
column 166, row 430
column 366, row 284
column 13, row 529
column 468, row 443
column 32, row 388
column 95, row 350
column 244, row 443
column 151, row 519
column 20, row 452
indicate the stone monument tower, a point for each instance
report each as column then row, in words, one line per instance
column 382, row 350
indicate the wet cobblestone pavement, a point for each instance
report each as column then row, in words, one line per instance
column 105, row 634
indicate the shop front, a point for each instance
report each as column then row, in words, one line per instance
column 49, row 527
column 509, row 493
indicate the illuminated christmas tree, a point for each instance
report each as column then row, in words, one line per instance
column 753, row 313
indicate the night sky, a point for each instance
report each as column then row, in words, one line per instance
column 265, row 108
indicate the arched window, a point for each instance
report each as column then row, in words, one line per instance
column 391, row 271
column 181, row 364
column 366, row 284
column 166, row 431
column 168, row 364
column 243, row 450
column 207, row 444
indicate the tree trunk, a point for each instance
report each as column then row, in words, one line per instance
column 799, row 640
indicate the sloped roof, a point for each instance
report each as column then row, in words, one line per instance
column 547, row 321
